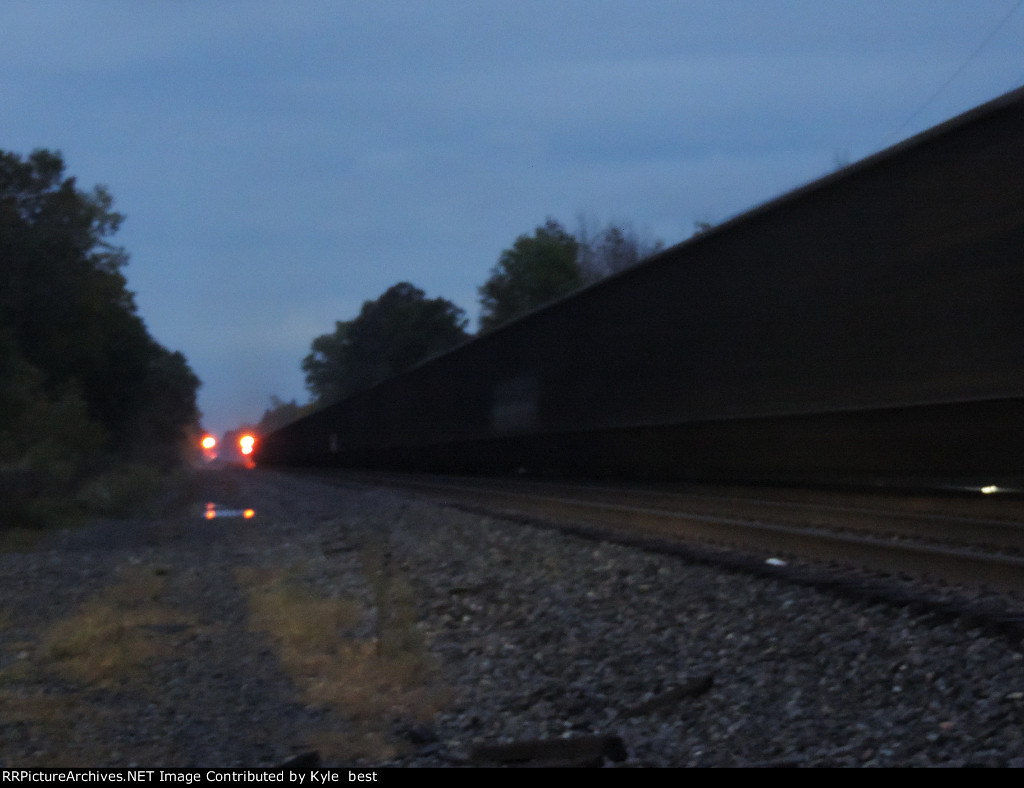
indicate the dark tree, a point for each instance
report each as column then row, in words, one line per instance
column 65, row 307
column 390, row 335
column 611, row 249
column 327, row 366
column 536, row 270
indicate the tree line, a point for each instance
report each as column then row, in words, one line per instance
column 403, row 327
column 85, row 391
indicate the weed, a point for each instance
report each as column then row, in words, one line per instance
column 126, row 490
column 112, row 636
column 106, row 644
column 368, row 681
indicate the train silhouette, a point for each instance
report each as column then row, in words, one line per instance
column 867, row 328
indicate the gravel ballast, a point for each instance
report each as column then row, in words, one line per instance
column 535, row 635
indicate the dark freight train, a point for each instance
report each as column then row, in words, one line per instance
column 867, row 327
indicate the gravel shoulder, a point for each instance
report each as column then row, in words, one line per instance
column 233, row 642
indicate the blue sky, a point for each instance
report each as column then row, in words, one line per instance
column 280, row 162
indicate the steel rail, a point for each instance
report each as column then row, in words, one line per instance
column 890, row 522
column 969, row 531
column 954, row 564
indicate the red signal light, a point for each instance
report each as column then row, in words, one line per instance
column 246, row 443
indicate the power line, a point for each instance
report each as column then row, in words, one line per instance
column 957, row 73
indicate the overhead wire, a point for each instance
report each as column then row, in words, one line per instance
column 970, row 58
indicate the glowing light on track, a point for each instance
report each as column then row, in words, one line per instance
column 212, row 512
column 208, row 442
column 246, row 443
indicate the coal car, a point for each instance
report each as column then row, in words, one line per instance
column 865, row 328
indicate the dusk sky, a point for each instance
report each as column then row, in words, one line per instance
column 280, row 162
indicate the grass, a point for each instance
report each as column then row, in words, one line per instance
column 129, row 490
column 369, row 681
column 109, row 640
column 363, row 658
column 108, row 643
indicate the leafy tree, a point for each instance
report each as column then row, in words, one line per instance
column 48, row 443
column 68, row 315
column 164, row 415
column 611, row 249
column 391, row 334
column 327, row 366
column 536, row 270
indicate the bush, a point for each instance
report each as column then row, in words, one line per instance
column 122, row 491
column 48, row 445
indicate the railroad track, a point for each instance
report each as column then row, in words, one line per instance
column 973, row 541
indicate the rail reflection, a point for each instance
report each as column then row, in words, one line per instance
column 213, row 511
